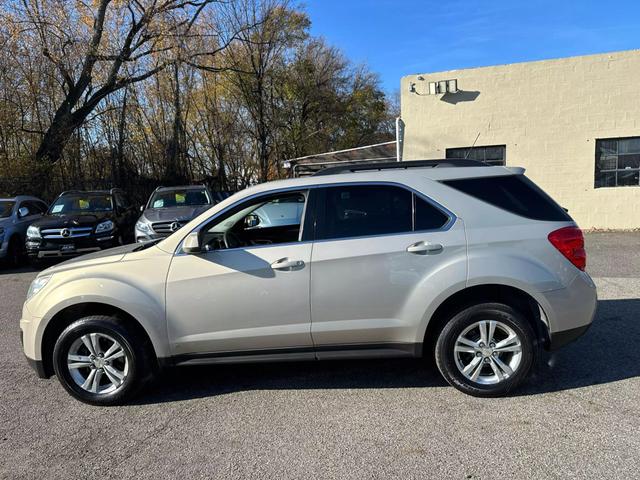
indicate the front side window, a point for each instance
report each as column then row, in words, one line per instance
column 617, row 162
column 268, row 220
column 6, row 208
column 79, row 203
column 493, row 155
column 366, row 210
column 179, row 198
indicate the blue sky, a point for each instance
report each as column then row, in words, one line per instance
column 400, row 37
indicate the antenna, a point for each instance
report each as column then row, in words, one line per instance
column 474, row 144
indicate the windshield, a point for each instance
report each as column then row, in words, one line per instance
column 179, row 198
column 82, row 203
column 6, row 208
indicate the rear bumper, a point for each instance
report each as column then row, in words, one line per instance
column 560, row 339
column 570, row 311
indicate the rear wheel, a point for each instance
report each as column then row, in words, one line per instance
column 100, row 360
column 486, row 350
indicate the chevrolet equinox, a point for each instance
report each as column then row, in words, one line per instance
column 471, row 264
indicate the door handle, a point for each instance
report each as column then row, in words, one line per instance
column 424, row 248
column 286, row 264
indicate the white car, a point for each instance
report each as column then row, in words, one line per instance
column 472, row 264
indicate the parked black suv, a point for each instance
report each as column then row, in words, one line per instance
column 79, row 222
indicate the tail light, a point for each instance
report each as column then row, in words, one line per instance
column 570, row 243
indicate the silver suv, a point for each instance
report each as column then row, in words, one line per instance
column 472, row 264
column 169, row 208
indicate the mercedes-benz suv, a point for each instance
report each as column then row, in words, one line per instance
column 169, row 208
column 79, row 222
column 470, row 264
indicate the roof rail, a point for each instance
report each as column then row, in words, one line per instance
column 444, row 163
column 67, row 192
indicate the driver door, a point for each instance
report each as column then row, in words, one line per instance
column 247, row 293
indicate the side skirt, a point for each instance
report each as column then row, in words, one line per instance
column 325, row 352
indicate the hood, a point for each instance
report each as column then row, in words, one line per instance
column 5, row 222
column 185, row 214
column 111, row 255
column 70, row 221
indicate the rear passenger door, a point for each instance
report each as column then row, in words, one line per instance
column 377, row 248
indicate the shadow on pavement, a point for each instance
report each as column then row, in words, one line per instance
column 607, row 353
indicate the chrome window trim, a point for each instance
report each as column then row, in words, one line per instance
column 306, row 189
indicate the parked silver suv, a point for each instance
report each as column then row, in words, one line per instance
column 472, row 264
column 169, row 208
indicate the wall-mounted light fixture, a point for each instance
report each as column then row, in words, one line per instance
column 443, row 86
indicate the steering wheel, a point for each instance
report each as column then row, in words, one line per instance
column 231, row 240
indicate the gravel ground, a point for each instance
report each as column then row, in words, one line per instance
column 579, row 417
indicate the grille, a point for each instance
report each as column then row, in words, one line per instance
column 66, row 232
column 166, row 228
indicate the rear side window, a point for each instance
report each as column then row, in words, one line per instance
column 355, row 211
column 514, row 193
column 366, row 210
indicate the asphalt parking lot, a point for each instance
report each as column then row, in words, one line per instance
column 578, row 418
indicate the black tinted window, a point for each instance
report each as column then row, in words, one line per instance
column 428, row 217
column 354, row 211
column 514, row 193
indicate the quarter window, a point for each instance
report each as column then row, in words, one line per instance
column 365, row 210
column 428, row 217
column 617, row 162
column 493, row 155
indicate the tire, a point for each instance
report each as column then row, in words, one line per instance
column 491, row 370
column 117, row 377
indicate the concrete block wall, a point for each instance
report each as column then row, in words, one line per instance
column 548, row 114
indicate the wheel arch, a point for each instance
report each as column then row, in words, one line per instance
column 509, row 295
column 70, row 314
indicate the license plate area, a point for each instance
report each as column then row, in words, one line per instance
column 70, row 247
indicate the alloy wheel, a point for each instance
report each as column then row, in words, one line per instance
column 488, row 352
column 98, row 363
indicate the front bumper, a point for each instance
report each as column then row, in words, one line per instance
column 72, row 247
column 570, row 311
column 27, row 342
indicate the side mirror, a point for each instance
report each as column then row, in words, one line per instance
column 23, row 212
column 191, row 244
column 251, row 221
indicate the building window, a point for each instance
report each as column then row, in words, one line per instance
column 493, row 155
column 617, row 162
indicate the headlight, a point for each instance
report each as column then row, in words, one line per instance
column 37, row 285
column 33, row 232
column 143, row 226
column 104, row 227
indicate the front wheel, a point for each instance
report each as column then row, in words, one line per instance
column 100, row 360
column 486, row 350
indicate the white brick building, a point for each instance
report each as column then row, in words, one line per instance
column 573, row 123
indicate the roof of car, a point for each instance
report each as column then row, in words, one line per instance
column 402, row 172
column 19, row 198
column 180, row 187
